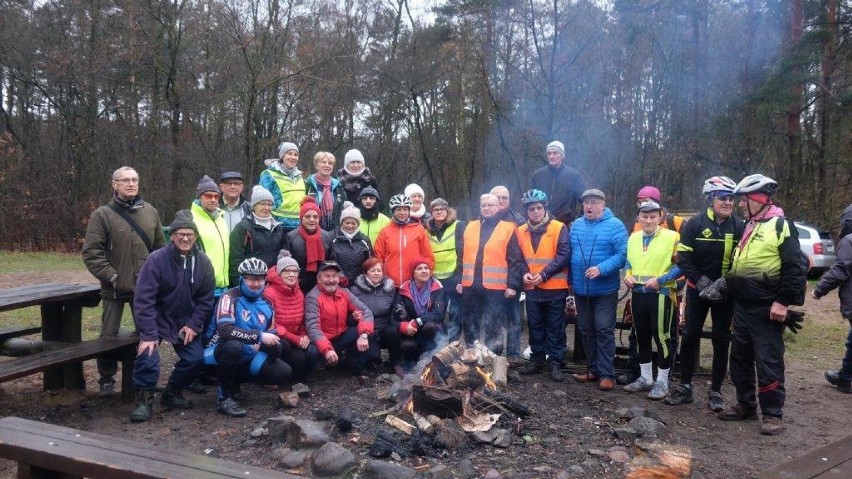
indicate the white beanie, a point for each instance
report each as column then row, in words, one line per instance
column 285, row 147
column 557, row 146
column 414, row 188
column 352, row 155
column 350, row 211
column 259, row 193
column 285, row 261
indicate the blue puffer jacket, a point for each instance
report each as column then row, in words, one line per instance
column 602, row 243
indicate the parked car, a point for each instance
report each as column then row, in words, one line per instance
column 818, row 245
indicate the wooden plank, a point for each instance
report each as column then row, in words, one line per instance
column 99, row 456
column 14, row 332
column 24, row 366
column 819, row 463
column 24, row 296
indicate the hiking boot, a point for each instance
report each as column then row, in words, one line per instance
column 715, row 401
column 606, row 384
column 532, row 367
column 556, row 374
column 229, row 407
column 173, row 399
column 515, row 361
column 833, row 377
column 144, row 406
column 771, row 426
column 738, row 412
column 238, row 393
column 585, row 378
column 640, row 384
column 195, row 387
column 658, row 391
column 627, row 378
column 107, row 389
column 680, row 394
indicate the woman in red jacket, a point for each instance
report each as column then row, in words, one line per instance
column 425, row 304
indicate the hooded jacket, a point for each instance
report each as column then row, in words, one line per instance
column 173, row 291
column 602, row 243
column 397, row 245
column 383, row 300
column 289, row 305
column 326, row 315
column 350, row 254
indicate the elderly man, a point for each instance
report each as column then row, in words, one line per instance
column 328, row 309
column 561, row 183
column 174, row 297
column 598, row 252
column 511, row 306
column 492, row 271
column 233, row 204
column 213, row 232
column 119, row 239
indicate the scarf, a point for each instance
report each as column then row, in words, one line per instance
column 314, row 251
column 132, row 204
column 267, row 222
column 348, row 236
column 420, row 296
column 371, row 214
column 541, row 226
column 419, row 212
column 326, row 200
column 767, row 213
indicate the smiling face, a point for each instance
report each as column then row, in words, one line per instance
column 254, row 282
column 310, row 221
column 421, row 273
column 328, row 280
column 355, row 166
column 324, row 164
column 231, row 189
column 349, row 225
column 290, row 159
column 416, row 201
column 125, row 183
column 290, row 275
column 183, row 239
column 263, row 209
column 723, row 206
column 376, row 273
column 402, row 213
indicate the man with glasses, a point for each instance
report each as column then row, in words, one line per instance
column 511, row 306
column 213, row 233
column 492, row 271
column 233, row 204
column 119, row 238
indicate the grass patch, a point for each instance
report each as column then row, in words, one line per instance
column 17, row 262
column 821, row 345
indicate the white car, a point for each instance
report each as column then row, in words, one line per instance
column 817, row 244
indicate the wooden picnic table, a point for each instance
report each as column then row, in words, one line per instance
column 831, row 461
column 61, row 321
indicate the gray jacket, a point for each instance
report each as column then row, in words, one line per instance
column 840, row 276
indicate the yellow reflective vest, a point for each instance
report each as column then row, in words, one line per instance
column 292, row 193
column 655, row 260
column 444, row 250
column 214, row 238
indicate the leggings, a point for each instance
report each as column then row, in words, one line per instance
column 652, row 316
column 696, row 313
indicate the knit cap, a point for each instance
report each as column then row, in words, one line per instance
column 286, row 261
column 414, row 188
column 417, row 262
column 352, row 155
column 285, row 147
column 206, row 184
column 259, row 193
column 309, row 204
column 369, row 191
column 183, row 219
column 350, row 211
column 556, row 146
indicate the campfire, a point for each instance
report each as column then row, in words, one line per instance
column 457, row 392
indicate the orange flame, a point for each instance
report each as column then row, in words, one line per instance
column 487, row 377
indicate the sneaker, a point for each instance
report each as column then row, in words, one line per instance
column 229, row 407
column 144, row 406
column 606, row 384
column 715, row 401
column 738, row 412
column 771, row 426
column 585, row 378
column 195, row 387
column 640, row 384
column 556, row 374
column 532, row 367
column 173, row 399
column 626, row 378
column 107, row 389
column 658, row 391
column 680, row 394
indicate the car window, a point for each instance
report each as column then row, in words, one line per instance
column 803, row 233
column 824, row 235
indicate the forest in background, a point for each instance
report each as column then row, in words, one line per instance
column 457, row 98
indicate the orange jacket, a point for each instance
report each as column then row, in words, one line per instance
column 398, row 245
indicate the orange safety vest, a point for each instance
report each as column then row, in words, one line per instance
column 539, row 259
column 495, row 268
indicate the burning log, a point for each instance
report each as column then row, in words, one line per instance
column 510, row 403
column 440, row 402
column 399, row 424
column 449, row 353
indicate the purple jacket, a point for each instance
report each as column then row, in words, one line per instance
column 173, row 291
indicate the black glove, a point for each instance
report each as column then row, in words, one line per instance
column 793, row 321
column 703, row 283
column 716, row 292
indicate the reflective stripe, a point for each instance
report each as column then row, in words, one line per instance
column 538, row 259
column 494, row 269
column 652, row 261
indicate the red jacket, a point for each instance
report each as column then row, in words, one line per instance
column 289, row 306
column 398, row 245
column 326, row 315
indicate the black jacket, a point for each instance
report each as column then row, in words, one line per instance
column 706, row 247
column 840, row 276
column 294, row 243
column 351, row 253
column 436, row 309
column 382, row 300
column 249, row 239
column 563, row 187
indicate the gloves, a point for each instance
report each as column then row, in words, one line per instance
column 703, row 283
column 793, row 321
column 716, row 292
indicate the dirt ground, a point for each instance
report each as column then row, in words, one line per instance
column 569, row 419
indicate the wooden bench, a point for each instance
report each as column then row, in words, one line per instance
column 123, row 348
column 15, row 332
column 831, row 461
column 47, row 451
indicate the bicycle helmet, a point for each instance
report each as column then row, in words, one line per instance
column 718, row 183
column 252, row 267
column 534, row 196
column 399, row 200
column 650, row 192
column 756, row 183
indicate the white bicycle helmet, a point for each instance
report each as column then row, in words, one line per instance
column 718, row 183
column 756, row 183
column 252, row 267
column 399, row 200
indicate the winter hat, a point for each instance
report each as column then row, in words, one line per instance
column 230, row 175
column 352, row 155
column 556, row 146
column 370, row 191
column 593, row 192
column 183, row 219
column 285, row 147
column 414, row 188
column 259, row 193
column 649, row 206
column 438, row 202
column 350, row 211
column 286, row 261
column 309, row 204
column 206, row 184
column 417, row 262
column 649, row 192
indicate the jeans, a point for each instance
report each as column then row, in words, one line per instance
column 596, row 321
column 758, row 343
column 512, row 311
column 146, row 369
column 483, row 311
column 547, row 329
column 846, row 370
column 110, row 324
column 453, row 323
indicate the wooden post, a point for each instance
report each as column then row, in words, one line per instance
column 51, row 330
column 72, row 332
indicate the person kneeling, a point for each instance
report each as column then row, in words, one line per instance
column 245, row 346
column 424, row 302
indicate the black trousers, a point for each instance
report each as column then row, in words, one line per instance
column 696, row 314
column 758, row 345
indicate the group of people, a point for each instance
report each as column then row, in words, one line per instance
column 309, row 270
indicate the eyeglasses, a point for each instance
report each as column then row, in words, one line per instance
column 536, row 208
column 290, row 272
column 593, row 202
column 438, row 208
column 233, row 183
column 185, row 235
column 487, row 205
column 726, row 199
column 128, row 180
column 210, row 196
column 267, row 204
